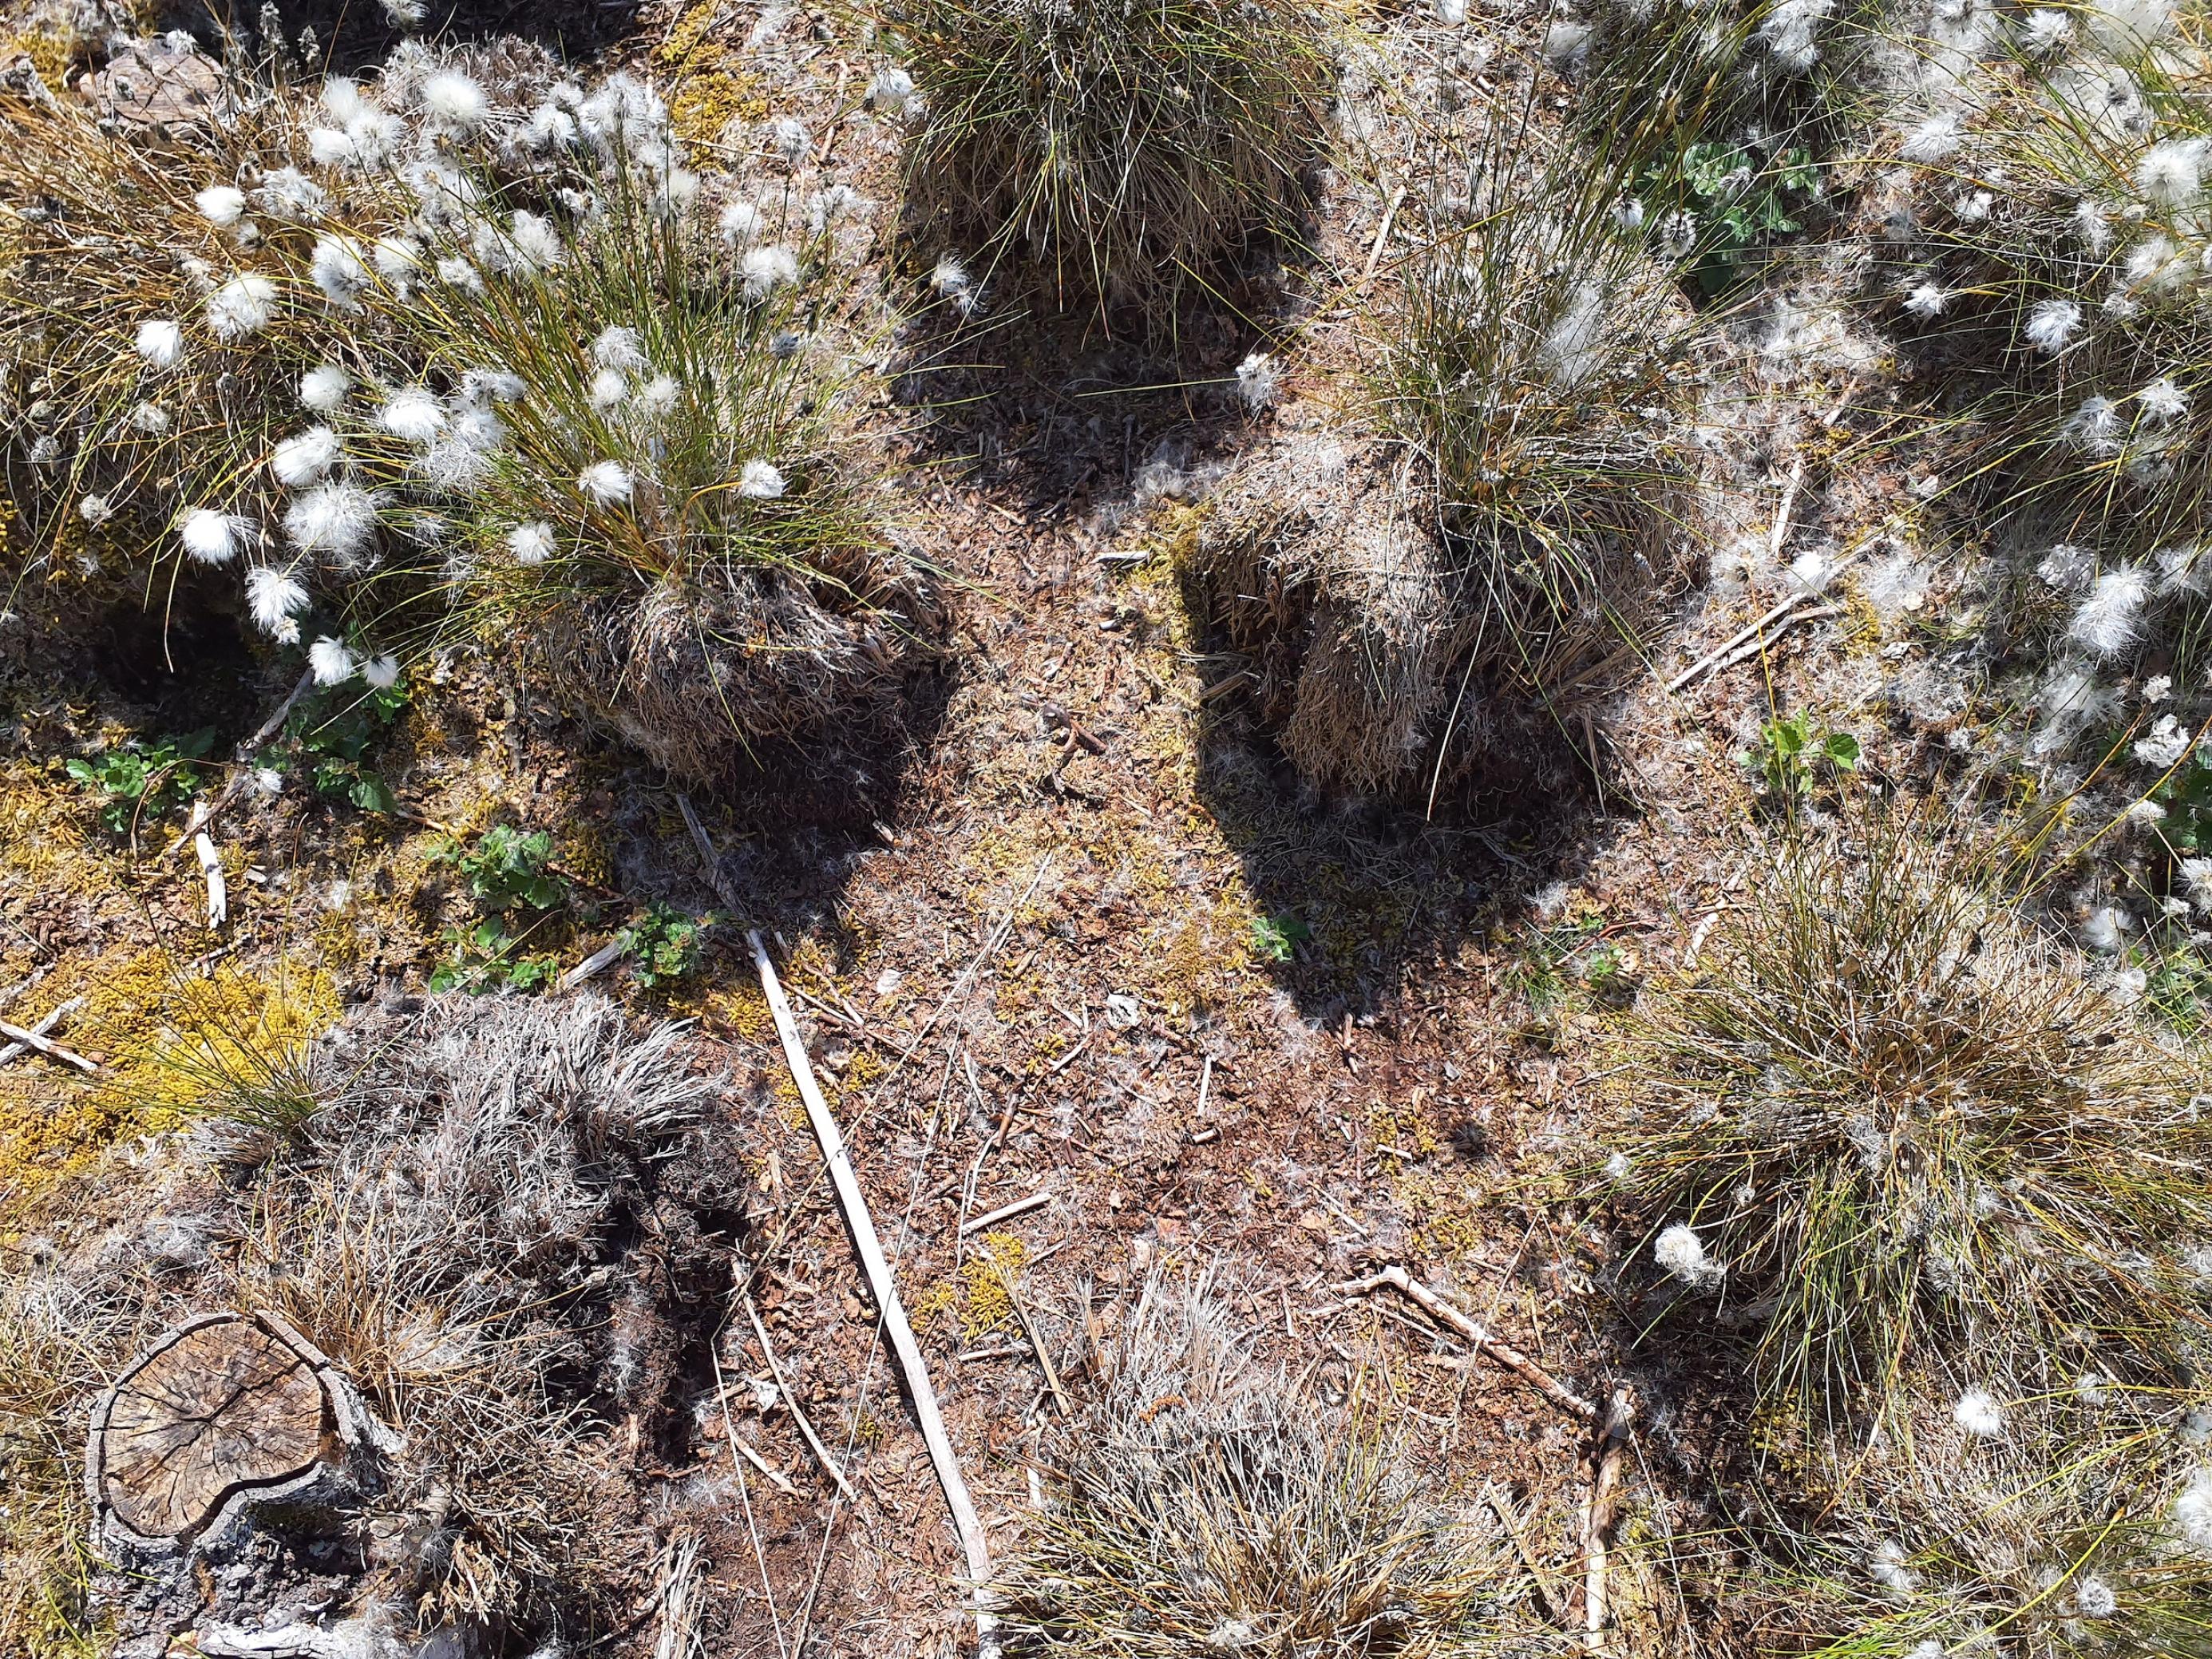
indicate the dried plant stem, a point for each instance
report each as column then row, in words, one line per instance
column 1443, row 1313
column 791, row 1405
column 965, row 1521
column 1603, row 1488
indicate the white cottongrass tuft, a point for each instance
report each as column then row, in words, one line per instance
column 335, row 519
column 617, row 347
column 530, row 544
column 339, row 270
column 533, row 241
column 2196, row 875
column 305, row 458
column 741, row 223
column 1257, row 381
column 325, row 387
column 95, row 510
column 1451, row 13
column 2094, row 425
column 2105, row 929
column 658, row 395
column 1927, row 300
column 892, row 91
column 243, row 305
column 2168, row 741
column 330, row 662
column 2093, row 1598
column 382, row 672
column 211, row 537
column 2107, row 621
column 607, row 390
column 406, row 14
column 456, row 102
column 2172, row 173
column 759, row 480
column 1978, row 1413
column 151, row 419
column 413, row 414
column 222, row 205
column 2192, row 1514
column 159, row 343
column 788, row 138
column 605, row 483
column 2053, row 325
column 1617, row 1166
column 1933, row 140
column 1886, row 1566
column 2047, row 32
column 1682, row 1253
column 274, row 596
column 766, row 269
column 2162, row 401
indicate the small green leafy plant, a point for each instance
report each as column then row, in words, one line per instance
column 1793, row 755
column 506, row 870
column 2185, row 792
column 1737, row 203
column 335, row 734
column 664, row 944
column 140, row 782
column 485, row 958
column 1275, row 938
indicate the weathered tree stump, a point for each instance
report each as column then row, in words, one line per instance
column 223, row 1411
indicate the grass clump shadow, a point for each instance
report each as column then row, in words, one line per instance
column 1890, row 1126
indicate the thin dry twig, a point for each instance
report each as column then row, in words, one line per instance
column 45, row 1025
column 1504, row 1353
column 969, row 1525
column 26, row 1037
column 1598, row 1519
column 791, row 1404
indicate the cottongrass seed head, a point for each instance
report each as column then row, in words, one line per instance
column 159, row 343
column 605, row 483
column 1978, row 1413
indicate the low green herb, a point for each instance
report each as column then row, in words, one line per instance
column 144, row 782
column 1275, row 938
column 664, row 943
column 506, row 869
column 1793, row 755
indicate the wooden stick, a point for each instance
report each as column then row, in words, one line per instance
column 45, row 1025
column 218, row 895
column 966, row 1522
column 42, row 1044
column 791, row 1405
column 597, row 962
column 1711, row 659
column 1036, row 1346
column 1599, row 1516
column 1007, row 1212
column 1504, row 1353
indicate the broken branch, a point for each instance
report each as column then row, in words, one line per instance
column 1505, row 1354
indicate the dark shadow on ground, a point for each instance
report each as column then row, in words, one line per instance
column 350, row 35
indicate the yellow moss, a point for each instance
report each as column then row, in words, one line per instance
column 710, row 90
column 934, row 1304
column 170, row 1043
column 51, row 53
column 989, row 1306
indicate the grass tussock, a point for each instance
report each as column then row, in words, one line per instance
column 498, row 1222
column 1115, row 154
column 1203, row 1505
column 1889, row 1128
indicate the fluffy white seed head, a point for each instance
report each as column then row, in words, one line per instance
column 276, row 597
column 2105, row 929
column 325, row 387
column 1927, row 300
column 1933, row 140
column 222, row 205
column 381, row 672
column 740, row 224
column 892, row 91
column 2162, row 401
column 758, row 481
column 211, row 537
column 305, row 458
column 95, row 510
column 605, row 483
column 1257, row 381
column 766, row 269
column 2173, row 173
column 335, row 520
column 609, row 387
column 331, row 663
column 455, row 101
column 243, row 305
column 2192, row 1514
column 1682, row 1253
column 339, row 270
column 617, row 347
column 2093, row 1598
column 159, row 343
column 1978, row 1413
column 2053, row 325
column 412, row 414
column 658, row 395
column 530, row 544
column 2107, row 622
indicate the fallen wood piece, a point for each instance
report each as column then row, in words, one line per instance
column 966, row 1522
column 1711, row 659
column 791, row 1404
column 598, row 963
column 204, row 812
column 1752, row 647
column 1007, row 1211
column 45, row 1025
column 23, row 1037
column 218, row 906
column 1444, row 1314
column 1599, row 1519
